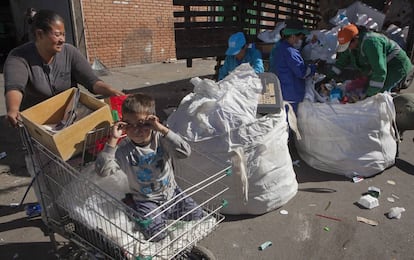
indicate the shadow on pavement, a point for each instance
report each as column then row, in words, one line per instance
column 25, row 251
column 10, row 143
column 404, row 166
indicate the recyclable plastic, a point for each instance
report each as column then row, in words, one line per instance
column 395, row 212
column 369, row 202
column 33, row 210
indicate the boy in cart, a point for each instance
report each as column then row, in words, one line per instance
column 145, row 156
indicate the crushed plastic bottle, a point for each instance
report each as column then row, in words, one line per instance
column 33, row 210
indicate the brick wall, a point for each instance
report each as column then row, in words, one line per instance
column 129, row 32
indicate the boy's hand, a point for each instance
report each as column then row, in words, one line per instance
column 156, row 125
column 116, row 133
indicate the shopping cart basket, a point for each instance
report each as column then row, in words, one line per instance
column 80, row 210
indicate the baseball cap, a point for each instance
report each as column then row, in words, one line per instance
column 345, row 35
column 294, row 26
column 236, row 43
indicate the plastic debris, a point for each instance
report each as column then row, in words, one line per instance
column 328, row 217
column 395, row 196
column 265, row 245
column 374, row 191
column 368, row 201
column 391, row 182
column 327, row 206
column 367, row 221
column 357, row 179
column 296, row 163
column 14, row 204
column 395, row 212
column 3, row 155
column 391, row 199
column 326, row 229
column 284, row 212
column 33, row 210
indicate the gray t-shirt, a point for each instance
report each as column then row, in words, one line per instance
column 25, row 71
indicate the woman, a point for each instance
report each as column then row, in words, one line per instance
column 287, row 63
column 42, row 68
column 240, row 52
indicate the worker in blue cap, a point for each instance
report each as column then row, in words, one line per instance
column 287, row 63
column 240, row 52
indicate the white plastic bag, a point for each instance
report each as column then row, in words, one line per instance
column 348, row 139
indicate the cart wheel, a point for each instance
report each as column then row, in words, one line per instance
column 201, row 253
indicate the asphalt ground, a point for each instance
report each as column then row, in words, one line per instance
column 322, row 218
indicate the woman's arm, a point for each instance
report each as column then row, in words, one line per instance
column 13, row 101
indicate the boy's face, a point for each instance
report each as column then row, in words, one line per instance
column 137, row 128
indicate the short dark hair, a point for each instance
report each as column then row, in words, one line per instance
column 139, row 103
column 43, row 19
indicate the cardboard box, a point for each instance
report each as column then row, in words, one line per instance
column 70, row 140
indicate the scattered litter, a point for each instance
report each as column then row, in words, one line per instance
column 357, row 179
column 374, row 191
column 328, row 217
column 390, row 199
column 395, row 212
column 14, row 204
column 265, row 245
column 296, row 163
column 367, row 221
column 326, row 229
column 391, row 182
column 368, row 201
column 33, row 210
column 3, row 155
column 312, row 205
column 284, row 212
column 395, row 196
column 147, row 83
column 327, row 206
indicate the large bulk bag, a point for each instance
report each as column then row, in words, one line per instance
column 357, row 139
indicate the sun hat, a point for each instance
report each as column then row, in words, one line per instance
column 236, row 43
column 294, row 26
column 345, row 35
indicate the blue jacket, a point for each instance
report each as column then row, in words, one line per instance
column 287, row 63
column 253, row 57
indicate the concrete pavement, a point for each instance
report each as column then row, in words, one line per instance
column 300, row 234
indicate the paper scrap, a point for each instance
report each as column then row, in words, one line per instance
column 367, row 221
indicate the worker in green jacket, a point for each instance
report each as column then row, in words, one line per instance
column 374, row 55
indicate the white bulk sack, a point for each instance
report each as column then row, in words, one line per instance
column 348, row 139
column 225, row 128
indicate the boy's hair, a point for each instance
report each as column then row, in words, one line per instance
column 139, row 103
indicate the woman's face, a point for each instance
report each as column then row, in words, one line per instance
column 52, row 41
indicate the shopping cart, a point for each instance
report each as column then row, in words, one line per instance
column 97, row 221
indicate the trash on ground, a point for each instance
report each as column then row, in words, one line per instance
column 33, row 210
column 328, row 217
column 391, row 182
column 395, row 212
column 327, row 206
column 284, row 212
column 367, row 221
column 368, row 201
column 357, row 179
column 391, row 199
column 312, row 205
column 395, row 196
column 14, row 204
column 296, row 163
column 3, row 155
column 265, row 245
column 326, row 229
column 374, row 191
